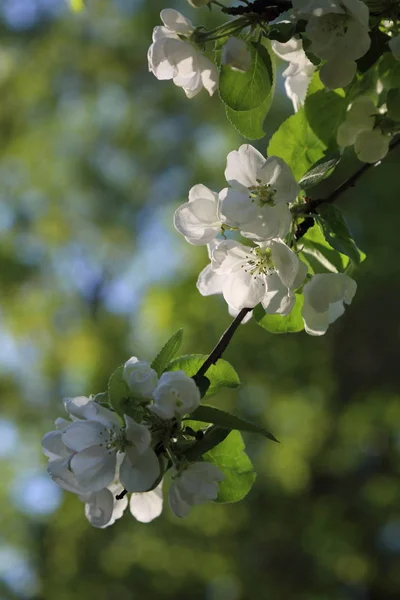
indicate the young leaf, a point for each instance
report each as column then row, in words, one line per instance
column 325, row 111
column 210, row 414
column 167, row 352
column 119, row 396
column 336, row 232
column 230, row 457
column 393, row 104
column 249, row 123
column 321, row 170
column 213, row 436
column 297, row 144
column 292, row 323
column 222, row 374
column 319, row 254
column 243, row 91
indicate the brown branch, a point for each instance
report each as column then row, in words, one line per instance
column 223, row 343
column 310, row 207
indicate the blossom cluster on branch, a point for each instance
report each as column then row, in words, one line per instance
column 279, row 253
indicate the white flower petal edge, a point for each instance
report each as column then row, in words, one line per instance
column 140, row 378
column 176, row 395
column 171, row 57
column 324, row 298
column 196, row 485
column 198, row 220
column 148, row 506
column 299, row 72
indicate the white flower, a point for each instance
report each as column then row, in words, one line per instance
column 171, row 57
column 360, row 117
column 338, row 30
column 371, row 146
column 198, row 220
column 140, row 377
column 196, row 485
column 102, row 508
column 175, row 396
column 95, row 444
column 147, row 506
column 324, row 298
column 247, row 276
column 236, row 54
column 299, row 72
column 394, row 45
column 257, row 201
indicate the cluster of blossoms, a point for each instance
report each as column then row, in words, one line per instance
column 264, row 269
column 100, row 456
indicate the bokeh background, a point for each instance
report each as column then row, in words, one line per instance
column 95, row 155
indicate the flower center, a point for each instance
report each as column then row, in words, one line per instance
column 259, row 262
column 334, row 25
column 263, row 194
column 113, row 440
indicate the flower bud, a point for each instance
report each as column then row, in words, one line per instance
column 198, row 3
column 371, row 146
column 236, row 54
column 140, row 377
column 176, row 395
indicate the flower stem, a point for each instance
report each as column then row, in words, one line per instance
column 223, row 343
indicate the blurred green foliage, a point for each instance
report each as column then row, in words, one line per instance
column 95, row 156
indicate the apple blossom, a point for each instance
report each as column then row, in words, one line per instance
column 140, row 378
column 236, row 54
column 195, row 485
column 371, row 146
column 173, row 56
column 259, row 194
column 360, row 117
column 324, row 298
column 175, row 396
column 198, row 220
column 299, row 72
column 94, row 446
column 338, row 30
column 269, row 273
column 102, row 508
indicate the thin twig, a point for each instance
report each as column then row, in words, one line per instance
column 223, row 342
column 310, row 207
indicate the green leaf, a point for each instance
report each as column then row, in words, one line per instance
column 389, row 71
column 210, row 414
column 336, row 232
column 292, row 323
column 120, row 398
column 222, row 374
column 213, row 436
column 297, row 144
column 230, row 457
column 244, row 91
column 321, row 170
column 167, row 352
column 393, row 104
column 325, row 111
column 319, row 254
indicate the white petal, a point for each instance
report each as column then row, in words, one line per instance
column 53, row 445
column 271, row 222
column 138, row 472
column 358, row 10
column 158, row 61
column 243, row 166
column 277, row 298
column 99, row 508
column 198, row 219
column 94, row 468
column 138, row 435
column 229, row 256
column 243, row 290
column 236, row 207
column 202, row 192
column 279, row 176
column 315, row 323
column 371, row 146
column 175, row 21
column 76, row 406
column 140, row 378
column 287, row 264
column 177, row 502
column 83, row 434
column 209, row 74
column 147, row 506
column 60, row 473
column 209, row 282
